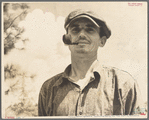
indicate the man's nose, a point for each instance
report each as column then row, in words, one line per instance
column 82, row 35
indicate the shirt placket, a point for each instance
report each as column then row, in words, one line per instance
column 79, row 107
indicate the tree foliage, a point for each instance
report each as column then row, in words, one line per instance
column 16, row 96
column 12, row 14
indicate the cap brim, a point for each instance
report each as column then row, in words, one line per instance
column 82, row 16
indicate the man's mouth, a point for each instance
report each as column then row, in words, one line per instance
column 83, row 42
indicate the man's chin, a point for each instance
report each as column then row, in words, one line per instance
column 83, row 51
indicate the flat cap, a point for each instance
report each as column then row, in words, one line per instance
column 90, row 15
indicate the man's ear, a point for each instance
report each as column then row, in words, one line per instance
column 102, row 41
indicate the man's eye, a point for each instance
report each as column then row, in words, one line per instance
column 90, row 30
column 75, row 30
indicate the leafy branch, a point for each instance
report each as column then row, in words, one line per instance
column 24, row 12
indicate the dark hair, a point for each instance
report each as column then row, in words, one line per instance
column 101, row 32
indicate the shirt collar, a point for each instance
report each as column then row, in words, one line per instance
column 96, row 68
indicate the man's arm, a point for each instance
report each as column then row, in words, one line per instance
column 129, row 93
column 133, row 100
column 137, row 104
column 45, row 96
column 41, row 104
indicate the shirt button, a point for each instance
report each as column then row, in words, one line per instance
column 80, row 113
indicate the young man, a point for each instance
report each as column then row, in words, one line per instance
column 87, row 88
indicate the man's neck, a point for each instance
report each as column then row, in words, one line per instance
column 80, row 66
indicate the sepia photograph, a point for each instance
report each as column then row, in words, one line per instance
column 74, row 60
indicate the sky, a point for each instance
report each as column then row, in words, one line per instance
column 45, row 52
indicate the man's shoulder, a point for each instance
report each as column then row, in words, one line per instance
column 51, row 81
column 116, row 71
column 123, row 77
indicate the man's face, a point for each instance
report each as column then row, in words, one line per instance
column 86, row 33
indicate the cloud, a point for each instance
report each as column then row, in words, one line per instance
column 44, row 32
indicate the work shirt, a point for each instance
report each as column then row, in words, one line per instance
column 110, row 91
